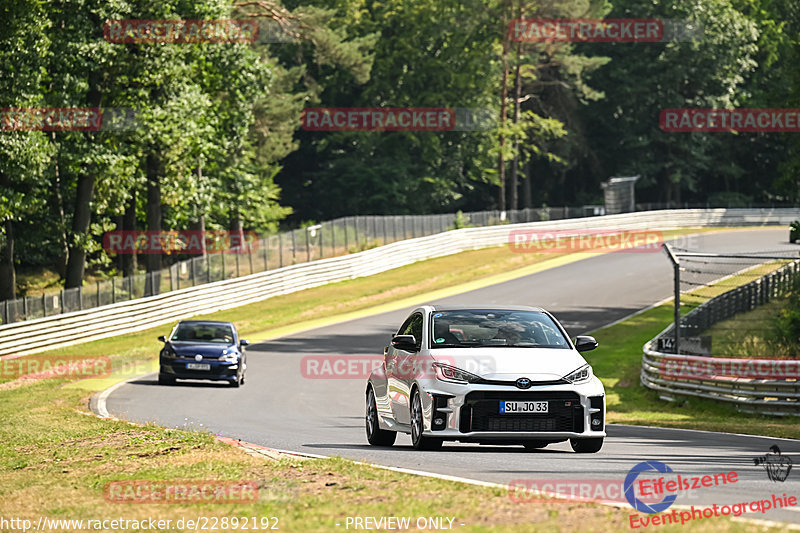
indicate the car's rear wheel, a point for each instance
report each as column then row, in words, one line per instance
column 535, row 444
column 375, row 435
column 419, row 441
column 586, row 445
column 165, row 379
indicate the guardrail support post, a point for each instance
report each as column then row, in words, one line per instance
column 676, row 268
column 44, row 306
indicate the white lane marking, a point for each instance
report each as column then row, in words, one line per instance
column 102, row 410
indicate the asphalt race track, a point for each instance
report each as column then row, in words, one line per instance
column 281, row 408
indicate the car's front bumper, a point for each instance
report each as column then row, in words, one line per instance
column 218, row 370
column 471, row 412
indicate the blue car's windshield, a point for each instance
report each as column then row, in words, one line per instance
column 203, row 333
column 485, row 328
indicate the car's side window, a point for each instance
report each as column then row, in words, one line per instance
column 415, row 328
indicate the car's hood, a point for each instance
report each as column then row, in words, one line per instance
column 206, row 349
column 508, row 364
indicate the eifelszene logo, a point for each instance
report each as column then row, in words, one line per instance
column 630, row 494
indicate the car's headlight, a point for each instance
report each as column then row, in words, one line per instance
column 454, row 375
column 229, row 356
column 168, row 352
column 584, row 373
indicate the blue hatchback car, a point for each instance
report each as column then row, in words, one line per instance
column 203, row 349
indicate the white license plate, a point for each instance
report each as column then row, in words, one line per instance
column 523, row 407
column 198, row 366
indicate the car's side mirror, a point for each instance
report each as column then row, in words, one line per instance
column 584, row 343
column 407, row 343
column 244, row 342
column 162, row 338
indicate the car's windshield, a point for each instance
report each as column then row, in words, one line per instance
column 221, row 333
column 469, row 328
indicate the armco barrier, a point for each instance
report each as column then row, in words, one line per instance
column 72, row 328
column 766, row 386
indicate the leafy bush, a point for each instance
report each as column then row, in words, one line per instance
column 787, row 325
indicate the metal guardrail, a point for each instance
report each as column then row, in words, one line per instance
column 328, row 239
column 701, row 376
column 124, row 317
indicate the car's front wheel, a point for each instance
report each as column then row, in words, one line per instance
column 375, row 435
column 419, row 441
column 586, row 445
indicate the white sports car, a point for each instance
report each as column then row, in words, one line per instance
column 491, row 375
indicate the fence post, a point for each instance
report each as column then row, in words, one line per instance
column 25, row 307
column 280, row 250
column 346, row 246
column 44, row 306
column 308, row 246
column 266, row 253
column 114, row 290
column 98, row 293
column 62, row 302
column 237, row 264
column 80, row 297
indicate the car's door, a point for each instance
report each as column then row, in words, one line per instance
column 400, row 369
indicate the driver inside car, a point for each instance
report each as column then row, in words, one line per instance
column 442, row 334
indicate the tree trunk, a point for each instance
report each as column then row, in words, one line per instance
column 200, row 225
column 8, row 276
column 153, row 167
column 61, row 260
column 128, row 261
column 76, row 257
column 527, row 197
column 76, row 254
column 501, row 162
column 513, row 203
column 153, row 206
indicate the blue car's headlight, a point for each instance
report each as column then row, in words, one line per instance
column 168, row 352
column 584, row 373
column 452, row 374
column 229, row 356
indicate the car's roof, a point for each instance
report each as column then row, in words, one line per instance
column 210, row 322
column 487, row 307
